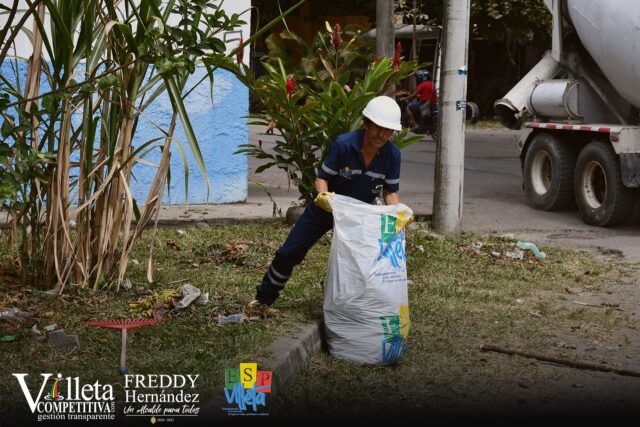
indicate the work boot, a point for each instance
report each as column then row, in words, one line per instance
column 256, row 310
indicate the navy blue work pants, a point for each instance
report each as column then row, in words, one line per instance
column 309, row 228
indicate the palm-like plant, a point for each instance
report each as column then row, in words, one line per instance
column 107, row 61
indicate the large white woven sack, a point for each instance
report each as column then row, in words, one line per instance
column 366, row 311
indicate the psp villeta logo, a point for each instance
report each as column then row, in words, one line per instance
column 247, row 388
column 86, row 402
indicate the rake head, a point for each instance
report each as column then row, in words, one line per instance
column 123, row 325
column 127, row 324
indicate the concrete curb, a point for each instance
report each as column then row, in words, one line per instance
column 290, row 353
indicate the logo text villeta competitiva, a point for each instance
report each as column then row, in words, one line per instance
column 58, row 398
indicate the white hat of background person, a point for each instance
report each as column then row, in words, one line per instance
column 383, row 111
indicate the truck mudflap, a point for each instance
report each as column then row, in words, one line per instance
column 523, row 137
column 630, row 169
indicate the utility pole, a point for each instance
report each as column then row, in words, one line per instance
column 414, row 41
column 449, row 170
column 385, row 33
column 414, row 45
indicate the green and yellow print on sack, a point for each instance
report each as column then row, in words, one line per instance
column 396, row 329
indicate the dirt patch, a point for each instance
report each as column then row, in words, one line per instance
column 611, row 340
column 600, row 328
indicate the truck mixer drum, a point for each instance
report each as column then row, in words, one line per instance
column 608, row 31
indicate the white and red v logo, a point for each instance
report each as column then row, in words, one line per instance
column 25, row 390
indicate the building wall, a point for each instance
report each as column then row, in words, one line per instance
column 219, row 124
column 219, row 127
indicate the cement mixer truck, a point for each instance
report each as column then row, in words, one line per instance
column 578, row 113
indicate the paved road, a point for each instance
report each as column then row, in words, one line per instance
column 493, row 197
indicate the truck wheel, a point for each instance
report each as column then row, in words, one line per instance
column 602, row 198
column 548, row 173
column 473, row 112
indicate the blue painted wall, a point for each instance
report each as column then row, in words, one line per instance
column 219, row 125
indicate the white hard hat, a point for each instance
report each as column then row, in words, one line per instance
column 383, row 111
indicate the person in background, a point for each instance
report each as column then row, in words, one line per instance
column 423, row 100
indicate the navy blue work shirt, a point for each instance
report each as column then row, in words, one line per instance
column 344, row 168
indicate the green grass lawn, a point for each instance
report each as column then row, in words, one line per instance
column 225, row 261
column 458, row 300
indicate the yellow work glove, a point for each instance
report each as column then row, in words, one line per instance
column 322, row 200
column 404, row 219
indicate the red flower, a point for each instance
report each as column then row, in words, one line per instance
column 378, row 58
column 291, row 85
column 336, row 38
column 396, row 57
column 240, row 53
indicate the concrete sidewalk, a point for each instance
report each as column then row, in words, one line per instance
column 259, row 204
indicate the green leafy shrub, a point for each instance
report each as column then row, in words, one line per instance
column 312, row 113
